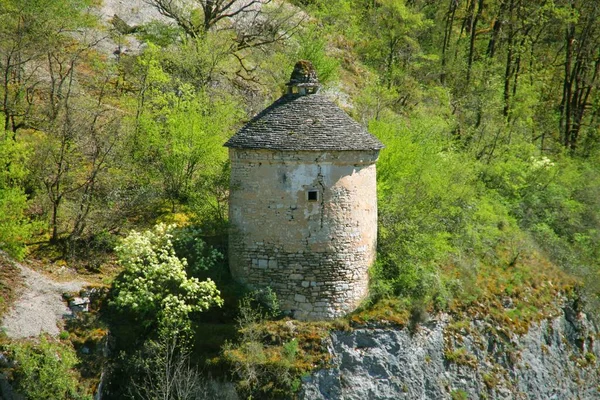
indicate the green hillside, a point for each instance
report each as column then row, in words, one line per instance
column 489, row 185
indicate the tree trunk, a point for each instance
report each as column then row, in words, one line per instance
column 565, row 104
column 472, row 41
column 447, row 35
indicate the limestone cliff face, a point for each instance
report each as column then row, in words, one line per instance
column 555, row 359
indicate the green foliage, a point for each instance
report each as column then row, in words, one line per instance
column 391, row 43
column 45, row 370
column 183, row 127
column 15, row 227
column 155, row 286
column 254, row 307
column 490, row 380
column 188, row 245
column 460, row 356
column 159, row 33
column 45, row 22
column 290, row 350
column 490, row 172
column 426, row 194
column 313, row 47
column 590, row 358
column 459, row 395
column 261, row 369
column 209, row 202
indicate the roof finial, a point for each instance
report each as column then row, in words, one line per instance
column 303, row 79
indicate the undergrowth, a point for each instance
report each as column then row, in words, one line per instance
column 269, row 356
column 10, row 281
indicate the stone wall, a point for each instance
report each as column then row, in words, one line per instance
column 313, row 254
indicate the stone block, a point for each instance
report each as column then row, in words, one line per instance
column 300, row 298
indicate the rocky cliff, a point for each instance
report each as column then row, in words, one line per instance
column 555, row 359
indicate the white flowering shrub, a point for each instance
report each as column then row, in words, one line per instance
column 542, row 162
column 154, row 285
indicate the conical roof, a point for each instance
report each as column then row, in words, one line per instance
column 303, row 122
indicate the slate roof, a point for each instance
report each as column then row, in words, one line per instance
column 304, row 122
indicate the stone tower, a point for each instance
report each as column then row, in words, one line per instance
column 303, row 202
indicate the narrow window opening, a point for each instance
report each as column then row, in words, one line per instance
column 313, row 195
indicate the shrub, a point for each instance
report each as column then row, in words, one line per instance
column 427, row 194
column 262, row 370
column 163, row 370
column 188, row 245
column 45, row 371
column 155, row 286
column 15, row 227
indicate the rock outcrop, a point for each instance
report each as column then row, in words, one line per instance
column 555, row 359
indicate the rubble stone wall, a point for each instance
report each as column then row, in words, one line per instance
column 314, row 254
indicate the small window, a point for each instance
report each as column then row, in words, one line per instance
column 313, row 195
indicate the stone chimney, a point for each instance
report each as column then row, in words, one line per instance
column 303, row 80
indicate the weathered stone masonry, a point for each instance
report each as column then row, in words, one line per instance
column 303, row 206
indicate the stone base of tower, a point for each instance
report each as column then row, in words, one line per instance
column 309, row 286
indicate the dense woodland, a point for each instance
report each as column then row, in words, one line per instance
column 489, row 110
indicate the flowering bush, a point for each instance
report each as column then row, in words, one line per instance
column 154, row 284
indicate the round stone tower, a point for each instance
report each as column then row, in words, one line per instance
column 303, row 202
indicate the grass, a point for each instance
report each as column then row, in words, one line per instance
column 490, row 380
column 390, row 311
column 95, row 265
column 515, row 296
column 459, row 395
column 278, row 353
column 509, row 295
column 461, row 356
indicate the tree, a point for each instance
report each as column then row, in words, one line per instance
column 392, row 44
column 155, row 287
column 581, row 69
column 79, row 135
column 28, row 30
column 197, row 17
column 15, row 227
column 54, row 93
column 166, row 371
column 183, row 127
column 252, row 24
